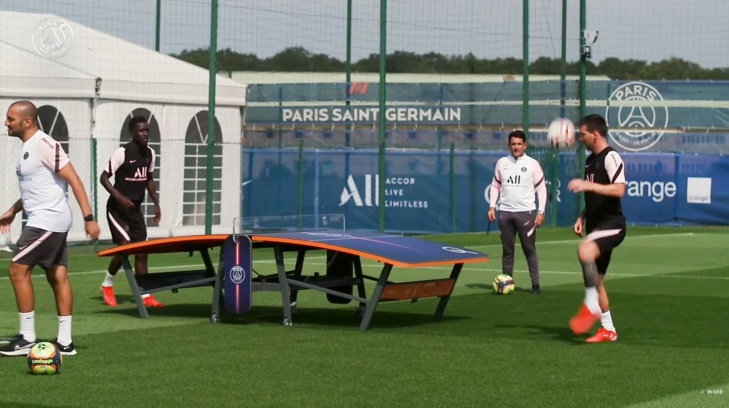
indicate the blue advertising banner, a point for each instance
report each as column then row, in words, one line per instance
column 422, row 194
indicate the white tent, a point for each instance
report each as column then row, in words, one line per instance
column 95, row 87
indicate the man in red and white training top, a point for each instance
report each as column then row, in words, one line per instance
column 518, row 180
column 44, row 174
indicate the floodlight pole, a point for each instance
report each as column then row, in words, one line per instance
column 552, row 208
column 157, row 25
column 213, row 68
column 348, row 67
column 525, row 68
column 583, row 97
column 348, row 95
column 563, row 63
column 382, row 168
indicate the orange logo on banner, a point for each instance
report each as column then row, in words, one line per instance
column 358, row 88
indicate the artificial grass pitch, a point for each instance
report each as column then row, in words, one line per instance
column 669, row 291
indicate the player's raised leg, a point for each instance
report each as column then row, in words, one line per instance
column 607, row 332
column 595, row 253
column 587, row 252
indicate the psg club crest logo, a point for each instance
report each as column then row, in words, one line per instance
column 636, row 112
column 52, row 38
column 237, row 275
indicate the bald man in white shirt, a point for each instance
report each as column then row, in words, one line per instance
column 518, row 187
column 44, row 174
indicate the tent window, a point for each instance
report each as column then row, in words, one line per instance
column 195, row 172
column 155, row 142
column 53, row 123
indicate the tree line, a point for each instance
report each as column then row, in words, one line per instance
column 298, row 59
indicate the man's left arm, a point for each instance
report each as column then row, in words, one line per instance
column 69, row 174
column 56, row 160
column 540, row 187
column 152, row 189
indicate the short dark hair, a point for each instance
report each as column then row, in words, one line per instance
column 595, row 123
column 136, row 120
column 517, row 134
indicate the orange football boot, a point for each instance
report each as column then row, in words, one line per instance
column 603, row 335
column 583, row 321
column 108, row 294
column 150, row 301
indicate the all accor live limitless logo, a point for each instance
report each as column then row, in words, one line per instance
column 370, row 195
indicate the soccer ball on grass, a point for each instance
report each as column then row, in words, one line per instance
column 504, row 285
column 44, row 358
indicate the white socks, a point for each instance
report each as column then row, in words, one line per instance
column 607, row 321
column 591, row 300
column 64, row 330
column 27, row 326
column 592, row 303
column 108, row 280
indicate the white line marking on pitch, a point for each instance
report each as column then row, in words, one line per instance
column 465, row 268
column 561, row 241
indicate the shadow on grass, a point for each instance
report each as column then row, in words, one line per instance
column 489, row 289
column 561, row 333
column 346, row 316
column 15, row 404
column 679, row 310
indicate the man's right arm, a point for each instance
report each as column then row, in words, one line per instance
column 104, row 180
column 9, row 215
column 17, row 207
column 113, row 192
column 495, row 186
column 115, row 162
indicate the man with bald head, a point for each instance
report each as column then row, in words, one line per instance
column 44, row 174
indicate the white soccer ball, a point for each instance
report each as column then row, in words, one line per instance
column 561, row 132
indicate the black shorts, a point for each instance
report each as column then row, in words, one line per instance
column 40, row 247
column 607, row 238
column 126, row 225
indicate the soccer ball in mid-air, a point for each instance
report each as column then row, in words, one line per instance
column 504, row 285
column 44, row 358
column 561, row 132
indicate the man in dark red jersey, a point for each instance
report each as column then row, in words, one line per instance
column 604, row 226
column 132, row 166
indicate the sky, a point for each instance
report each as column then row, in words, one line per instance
column 650, row 30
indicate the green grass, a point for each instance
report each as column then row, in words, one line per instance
column 669, row 290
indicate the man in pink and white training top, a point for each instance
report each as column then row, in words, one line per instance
column 44, row 175
column 518, row 180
